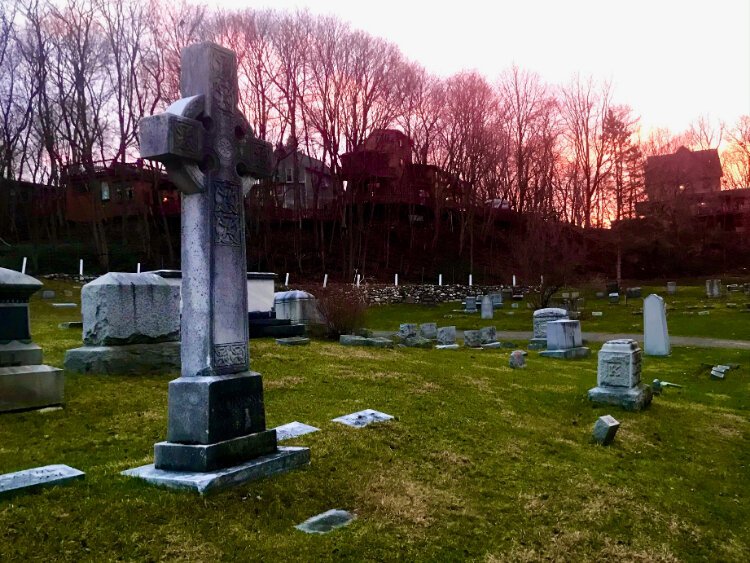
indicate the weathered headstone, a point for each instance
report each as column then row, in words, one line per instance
column 48, row 294
column 517, row 359
column 446, row 338
column 564, row 340
column 297, row 306
column 28, row 479
column 470, row 304
column 713, row 288
column 472, row 339
column 488, row 337
column 497, row 300
column 293, row 341
column 605, row 429
column 368, row 341
column 614, row 298
column 130, row 326
column 619, row 376
column 428, row 330
column 217, row 432
column 655, row 333
column 24, row 382
column 671, row 288
column 487, row 307
column 407, row 330
column 633, row 292
column 541, row 318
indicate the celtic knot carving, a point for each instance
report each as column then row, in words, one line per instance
column 223, row 83
column 227, row 222
column 232, row 355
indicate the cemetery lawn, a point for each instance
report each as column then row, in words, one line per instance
column 481, row 462
column 722, row 321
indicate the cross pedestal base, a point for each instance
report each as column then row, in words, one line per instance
column 282, row 460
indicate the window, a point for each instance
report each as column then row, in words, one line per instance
column 105, row 191
column 288, row 175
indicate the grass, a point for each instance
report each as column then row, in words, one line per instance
column 481, row 463
column 682, row 315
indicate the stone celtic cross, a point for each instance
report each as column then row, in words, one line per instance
column 216, row 412
column 209, row 152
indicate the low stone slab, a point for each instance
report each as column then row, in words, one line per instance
column 491, row 345
column 597, row 314
column 720, row 371
column 30, row 387
column 568, row 353
column 293, row 341
column 64, row 305
column 293, row 430
column 28, row 479
column 604, row 430
column 284, row 459
column 447, row 347
column 374, row 342
column 325, row 522
column 363, row 418
column 123, row 360
column 48, row 294
column 71, row 324
column 428, row 330
column 416, row 342
column 631, row 399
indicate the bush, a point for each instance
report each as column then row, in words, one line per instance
column 342, row 308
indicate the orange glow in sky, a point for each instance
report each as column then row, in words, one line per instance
column 670, row 60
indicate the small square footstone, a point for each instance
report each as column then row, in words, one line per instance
column 363, row 418
column 293, row 341
column 719, row 372
column 282, row 460
column 604, row 430
column 46, row 476
column 325, row 522
column 48, row 294
column 517, row 359
column 293, row 430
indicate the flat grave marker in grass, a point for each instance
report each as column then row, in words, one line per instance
column 28, row 479
column 605, row 429
column 363, row 418
column 326, row 522
column 293, row 430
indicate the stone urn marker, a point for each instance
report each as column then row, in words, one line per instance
column 217, row 434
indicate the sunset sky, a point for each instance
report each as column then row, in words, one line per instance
column 670, row 60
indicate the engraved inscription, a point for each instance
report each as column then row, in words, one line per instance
column 230, row 355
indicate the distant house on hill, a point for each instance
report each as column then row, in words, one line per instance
column 690, row 181
column 301, row 186
column 684, row 171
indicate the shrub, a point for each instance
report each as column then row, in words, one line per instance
column 342, row 308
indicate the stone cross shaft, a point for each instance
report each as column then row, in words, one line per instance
column 211, row 155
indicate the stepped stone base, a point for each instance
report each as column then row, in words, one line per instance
column 537, row 344
column 30, row 387
column 631, row 399
column 124, row 360
column 282, row 460
column 567, row 354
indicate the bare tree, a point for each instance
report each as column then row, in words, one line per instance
column 737, row 155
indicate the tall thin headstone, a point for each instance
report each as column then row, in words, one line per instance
column 487, row 308
column 216, row 425
column 655, row 333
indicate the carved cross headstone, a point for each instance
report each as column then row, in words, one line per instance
column 216, row 412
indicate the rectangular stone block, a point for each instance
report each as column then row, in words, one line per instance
column 428, row 330
column 12, row 483
column 563, row 335
column 446, row 335
column 30, row 387
column 20, row 354
column 205, row 410
column 168, row 137
column 209, row 457
column 619, row 364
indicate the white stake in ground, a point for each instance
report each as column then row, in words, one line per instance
column 80, row 268
column 440, row 279
column 357, row 280
column 23, row 266
column 471, row 280
column 286, row 280
column 138, row 269
column 325, row 280
column 395, row 280
column 514, row 280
